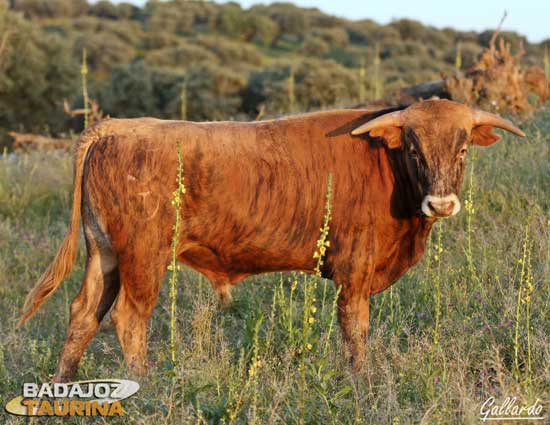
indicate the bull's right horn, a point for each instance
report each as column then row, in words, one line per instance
column 486, row 118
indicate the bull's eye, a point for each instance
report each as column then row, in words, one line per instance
column 463, row 151
column 413, row 152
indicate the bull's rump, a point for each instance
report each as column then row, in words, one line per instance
column 255, row 192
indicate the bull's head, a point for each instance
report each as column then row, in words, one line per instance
column 434, row 136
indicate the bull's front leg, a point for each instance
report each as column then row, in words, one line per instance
column 355, row 275
column 353, row 313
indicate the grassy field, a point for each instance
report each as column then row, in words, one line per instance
column 469, row 322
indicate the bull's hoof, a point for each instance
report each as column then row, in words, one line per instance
column 62, row 378
column 355, row 356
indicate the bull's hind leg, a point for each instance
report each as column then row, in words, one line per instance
column 140, row 280
column 98, row 291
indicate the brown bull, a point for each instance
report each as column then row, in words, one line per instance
column 254, row 204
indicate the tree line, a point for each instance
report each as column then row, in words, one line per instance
column 209, row 61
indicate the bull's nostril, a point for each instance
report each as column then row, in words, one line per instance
column 448, row 209
column 441, row 208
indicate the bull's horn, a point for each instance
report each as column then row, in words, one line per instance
column 486, row 118
column 392, row 119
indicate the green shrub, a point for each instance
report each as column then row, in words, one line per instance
column 231, row 52
column 51, row 8
column 37, row 71
column 318, row 84
column 469, row 52
column 314, row 46
column 213, row 93
column 337, row 37
column 180, row 56
column 136, row 90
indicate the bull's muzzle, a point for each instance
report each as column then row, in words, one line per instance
column 440, row 206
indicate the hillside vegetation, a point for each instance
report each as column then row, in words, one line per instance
column 226, row 62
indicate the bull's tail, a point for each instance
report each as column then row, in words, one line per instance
column 66, row 255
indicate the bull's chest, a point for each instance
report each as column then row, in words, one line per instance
column 395, row 254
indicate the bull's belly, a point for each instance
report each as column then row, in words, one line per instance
column 233, row 263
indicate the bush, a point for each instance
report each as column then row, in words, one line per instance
column 180, row 56
column 267, row 85
column 323, row 84
column 180, row 16
column 168, row 18
column 318, row 84
column 336, row 37
column 469, row 53
column 265, row 30
column 385, row 34
column 160, row 39
column 104, row 9
column 51, row 8
column 37, row 72
column 125, row 32
column 314, row 46
column 350, row 57
column 233, row 21
column 213, row 93
column 139, row 90
column 231, row 52
column 407, row 48
column 514, row 38
column 415, row 31
column 104, row 52
column 414, row 70
column 129, row 11
column 362, row 32
column 290, row 19
column 288, row 42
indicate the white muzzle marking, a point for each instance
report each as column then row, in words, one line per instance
column 440, row 200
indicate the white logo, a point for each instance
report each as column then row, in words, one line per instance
column 97, row 397
column 510, row 410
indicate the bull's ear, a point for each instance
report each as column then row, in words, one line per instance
column 387, row 127
column 483, row 135
column 391, row 136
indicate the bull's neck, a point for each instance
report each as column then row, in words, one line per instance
column 406, row 199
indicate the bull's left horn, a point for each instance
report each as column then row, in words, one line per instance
column 392, row 119
column 486, row 118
